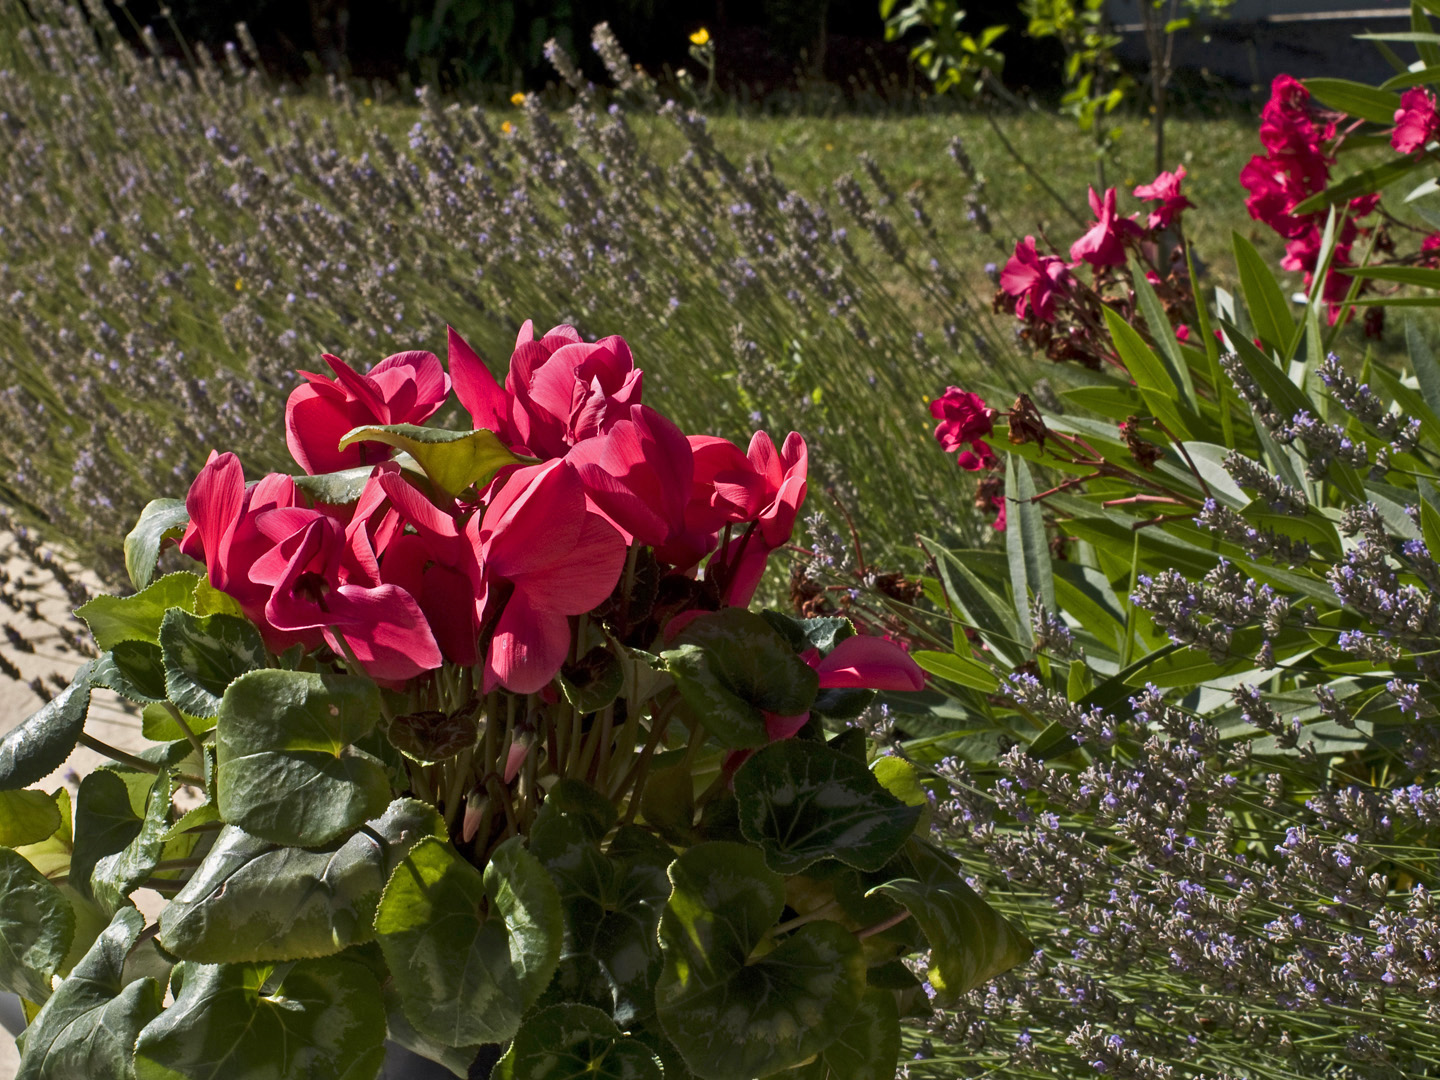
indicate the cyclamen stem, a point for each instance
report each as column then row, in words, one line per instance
column 179, row 719
column 116, row 754
column 883, row 925
column 824, row 911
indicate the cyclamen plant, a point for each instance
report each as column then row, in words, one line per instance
column 490, row 752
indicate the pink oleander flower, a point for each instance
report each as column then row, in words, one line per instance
column 540, row 557
column 1034, row 280
column 1165, row 189
column 405, row 388
column 1415, row 121
column 1287, row 125
column 1104, row 244
column 1294, row 165
column 978, row 457
column 964, row 417
column 1182, row 333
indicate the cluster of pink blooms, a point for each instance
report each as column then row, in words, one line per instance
column 965, row 421
column 1037, row 281
column 405, row 579
column 1299, row 141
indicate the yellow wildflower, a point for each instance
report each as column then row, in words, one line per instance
column 506, row 128
column 239, row 284
column 369, row 101
column 517, row 98
column 700, row 37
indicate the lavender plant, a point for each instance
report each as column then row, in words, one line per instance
column 177, row 240
column 1182, row 731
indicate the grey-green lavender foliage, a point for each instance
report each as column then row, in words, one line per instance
column 177, row 240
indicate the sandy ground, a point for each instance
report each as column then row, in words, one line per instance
column 44, row 654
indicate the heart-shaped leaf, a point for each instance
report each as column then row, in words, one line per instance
column 287, row 769
column 970, row 942
column 89, row 1026
column 133, row 669
column 432, row 735
column 113, row 619
column 732, row 667
column 469, row 953
column 161, row 519
column 27, row 817
column 204, row 655
column 453, row 460
column 37, row 747
column 36, row 928
column 575, row 1042
column 252, row 900
column 320, row 1019
column 822, row 633
column 866, row 1049
column 611, row 902
column 801, row 802
column 121, row 817
column 734, row 1012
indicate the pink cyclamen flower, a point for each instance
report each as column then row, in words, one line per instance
column 768, row 492
column 436, row 565
column 1104, row 244
column 1034, row 280
column 1165, row 189
column 559, row 390
column 1415, row 121
column 639, row 474
column 861, row 662
column 382, row 626
column 224, row 536
column 541, row 556
column 405, row 388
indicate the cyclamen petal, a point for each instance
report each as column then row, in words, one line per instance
column 869, row 663
column 405, row 388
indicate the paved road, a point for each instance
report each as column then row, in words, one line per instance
column 45, row 609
